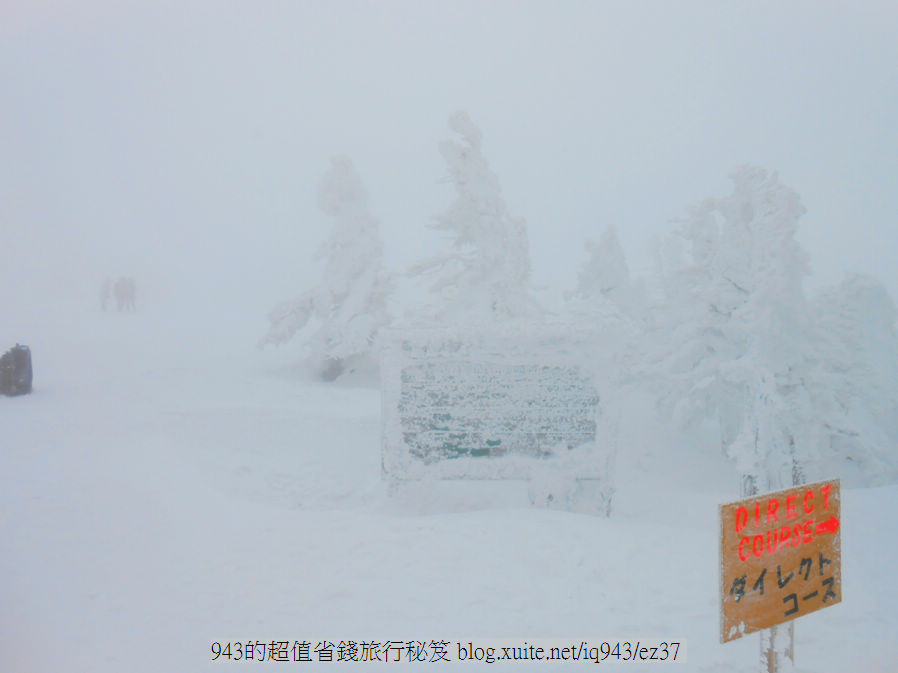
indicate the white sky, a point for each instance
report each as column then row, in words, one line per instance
column 183, row 141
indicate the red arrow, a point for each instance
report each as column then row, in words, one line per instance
column 829, row 526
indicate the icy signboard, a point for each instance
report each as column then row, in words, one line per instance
column 451, row 409
column 462, row 404
column 780, row 557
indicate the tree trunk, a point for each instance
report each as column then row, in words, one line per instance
column 778, row 642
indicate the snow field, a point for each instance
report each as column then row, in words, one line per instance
column 158, row 497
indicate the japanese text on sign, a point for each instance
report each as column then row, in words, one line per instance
column 780, row 557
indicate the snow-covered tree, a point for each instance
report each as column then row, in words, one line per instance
column 605, row 273
column 604, row 283
column 485, row 275
column 609, row 304
column 733, row 334
column 799, row 389
column 348, row 306
column 859, row 379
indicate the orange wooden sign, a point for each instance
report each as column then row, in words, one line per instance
column 780, row 557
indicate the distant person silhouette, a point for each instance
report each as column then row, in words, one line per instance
column 125, row 290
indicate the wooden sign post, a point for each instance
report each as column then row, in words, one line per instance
column 780, row 557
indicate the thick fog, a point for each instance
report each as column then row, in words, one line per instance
column 166, row 483
column 182, row 143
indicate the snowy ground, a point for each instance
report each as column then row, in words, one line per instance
column 166, row 487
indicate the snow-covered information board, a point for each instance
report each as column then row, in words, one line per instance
column 455, row 408
column 502, row 405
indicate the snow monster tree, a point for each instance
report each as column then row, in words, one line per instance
column 348, row 306
column 485, row 275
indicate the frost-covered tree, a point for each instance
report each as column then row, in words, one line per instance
column 734, row 331
column 348, row 306
column 799, row 389
column 485, row 275
column 859, row 379
column 605, row 273
column 604, row 283
column 606, row 302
